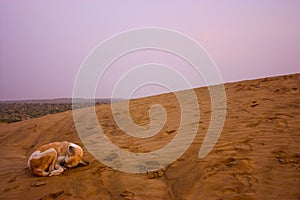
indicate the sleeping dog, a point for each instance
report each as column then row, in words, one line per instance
column 52, row 159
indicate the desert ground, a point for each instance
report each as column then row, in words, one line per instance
column 256, row 157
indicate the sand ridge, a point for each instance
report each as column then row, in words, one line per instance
column 257, row 155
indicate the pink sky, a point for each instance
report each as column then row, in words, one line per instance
column 42, row 44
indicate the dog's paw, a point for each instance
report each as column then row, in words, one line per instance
column 56, row 172
column 52, row 174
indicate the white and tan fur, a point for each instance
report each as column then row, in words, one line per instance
column 53, row 158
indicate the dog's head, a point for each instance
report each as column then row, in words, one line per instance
column 74, row 157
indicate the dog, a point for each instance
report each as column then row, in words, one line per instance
column 53, row 158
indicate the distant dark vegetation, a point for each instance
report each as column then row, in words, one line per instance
column 14, row 111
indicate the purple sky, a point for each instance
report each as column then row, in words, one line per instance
column 42, row 44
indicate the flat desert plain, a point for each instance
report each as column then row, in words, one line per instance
column 256, row 157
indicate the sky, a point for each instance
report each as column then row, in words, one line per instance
column 44, row 43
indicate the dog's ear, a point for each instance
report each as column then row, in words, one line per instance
column 71, row 149
column 84, row 162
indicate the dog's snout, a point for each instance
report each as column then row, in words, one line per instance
column 62, row 162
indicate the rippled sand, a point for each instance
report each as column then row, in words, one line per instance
column 256, row 157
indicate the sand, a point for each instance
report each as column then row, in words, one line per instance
column 256, row 157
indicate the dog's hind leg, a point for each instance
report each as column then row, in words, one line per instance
column 42, row 163
column 52, row 158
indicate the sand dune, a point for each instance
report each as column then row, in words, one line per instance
column 257, row 155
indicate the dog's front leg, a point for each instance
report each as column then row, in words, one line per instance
column 58, row 168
